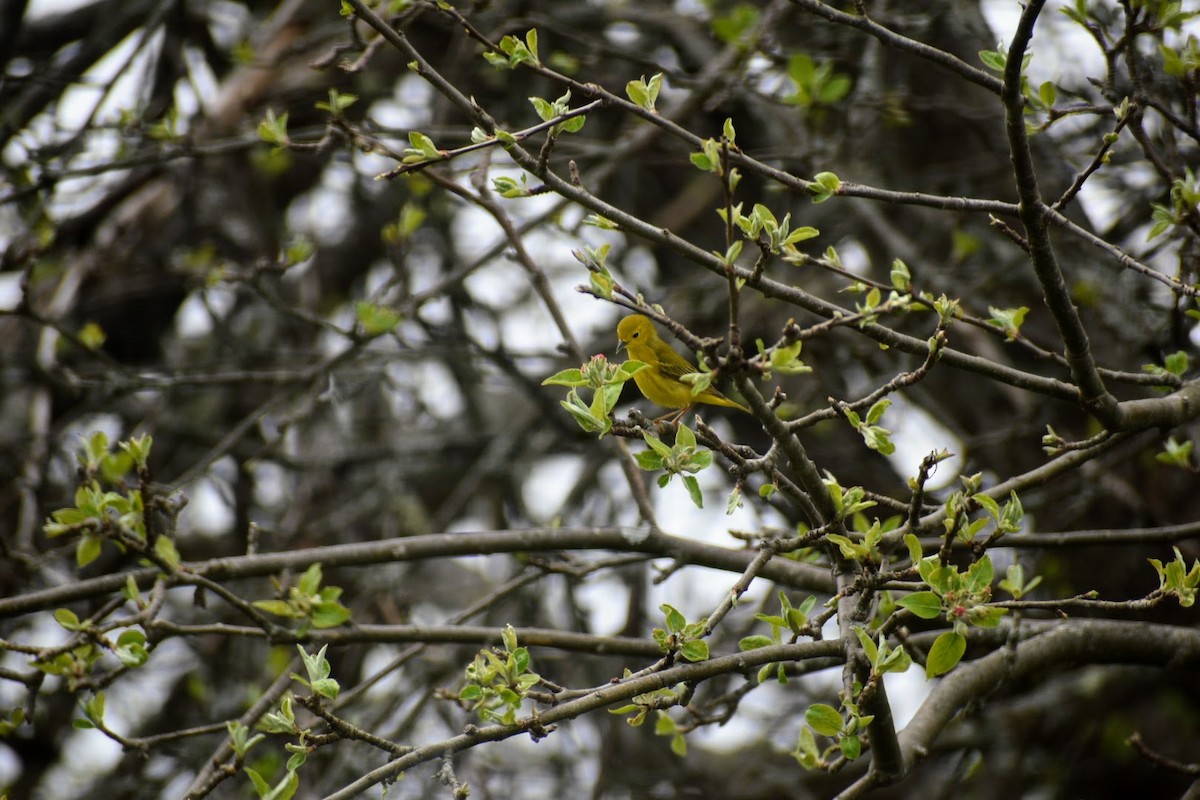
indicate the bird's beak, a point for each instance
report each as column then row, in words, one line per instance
column 620, row 345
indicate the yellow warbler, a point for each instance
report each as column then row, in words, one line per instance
column 660, row 380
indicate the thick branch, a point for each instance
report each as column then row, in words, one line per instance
column 1173, row 410
column 1035, row 217
column 441, row 545
column 1090, row 642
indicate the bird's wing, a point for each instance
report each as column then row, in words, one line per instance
column 673, row 365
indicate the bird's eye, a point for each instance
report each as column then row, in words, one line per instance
column 636, row 335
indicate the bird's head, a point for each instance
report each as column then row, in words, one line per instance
column 635, row 327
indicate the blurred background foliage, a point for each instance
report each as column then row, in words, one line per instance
column 168, row 271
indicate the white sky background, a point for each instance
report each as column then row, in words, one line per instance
column 695, row 592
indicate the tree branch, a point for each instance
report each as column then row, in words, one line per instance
column 1034, row 216
column 439, row 545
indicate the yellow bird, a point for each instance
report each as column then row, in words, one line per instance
column 660, row 380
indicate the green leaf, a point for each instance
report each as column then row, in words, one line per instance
column 165, row 549
column 14, row 721
column 279, row 608
column 989, row 505
column 993, row 59
column 376, row 320
column 338, row 102
column 985, row 616
column 310, row 580
column 67, row 618
column 727, row 130
column 824, row 719
column 1163, row 220
column 131, row 648
column 286, row 788
column 827, row 185
column 732, row 252
column 868, row 644
column 639, row 93
column 1012, row 516
column 734, row 502
column 261, row 787
column 695, row 650
column 834, row 89
column 315, row 663
column 1048, row 93
column 568, row 377
column 544, row 108
column 896, row 661
column 754, row 642
column 648, row 460
column 601, row 222
column 1015, row 583
column 815, row 84
column 297, row 251
column 702, row 161
column 92, row 336
column 509, row 188
column 737, row 21
column 684, row 437
column 1177, row 363
column 95, row 447
column 801, row 234
column 786, row 359
column 572, row 125
column 925, row 605
column 656, row 444
column 848, row 547
column 942, row 579
column 88, row 549
column 876, row 412
column 94, row 707
column 806, row 752
column 329, row 615
column 914, row 547
column 980, row 574
column 1175, row 454
column 851, row 747
column 693, row 488
column 422, row 146
column 299, row 756
column 946, row 652
column 1008, row 320
column 130, row 591
column 531, row 42
column 675, row 620
column 497, row 60
column 273, row 130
